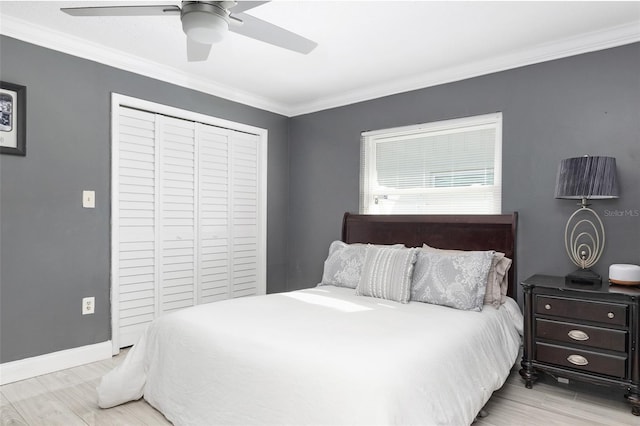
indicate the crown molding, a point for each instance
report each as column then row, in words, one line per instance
column 82, row 48
column 571, row 46
column 584, row 43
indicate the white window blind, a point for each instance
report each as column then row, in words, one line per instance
column 445, row 167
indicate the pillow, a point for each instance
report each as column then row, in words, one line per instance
column 458, row 280
column 343, row 265
column 497, row 280
column 502, row 276
column 387, row 273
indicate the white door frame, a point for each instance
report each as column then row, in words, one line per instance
column 118, row 100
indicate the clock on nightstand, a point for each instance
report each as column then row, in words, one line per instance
column 588, row 334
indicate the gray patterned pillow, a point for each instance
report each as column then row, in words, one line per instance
column 458, row 280
column 386, row 273
column 343, row 266
column 497, row 281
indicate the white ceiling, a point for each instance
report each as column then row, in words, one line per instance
column 366, row 49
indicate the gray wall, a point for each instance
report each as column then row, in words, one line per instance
column 54, row 252
column 587, row 104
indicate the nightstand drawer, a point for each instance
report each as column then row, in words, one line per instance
column 597, row 337
column 588, row 361
column 576, row 309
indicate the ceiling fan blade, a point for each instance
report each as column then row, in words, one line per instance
column 272, row 34
column 148, row 10
column 243, row 6
column 197, row 52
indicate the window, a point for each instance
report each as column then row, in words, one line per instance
column 444, row 167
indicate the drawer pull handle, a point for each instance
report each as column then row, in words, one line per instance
column 577, row 360
column 610, row 315
column 578, row 335
column 547, row 306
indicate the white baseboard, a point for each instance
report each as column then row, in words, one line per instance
column 48, row 363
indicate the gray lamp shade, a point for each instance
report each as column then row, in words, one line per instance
column 587, row 178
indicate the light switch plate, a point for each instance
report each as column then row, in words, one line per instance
column 89, row 199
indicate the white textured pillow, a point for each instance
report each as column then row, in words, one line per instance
column 458, row 280
column 343, row 266
column 497, row 280
column 387, row 273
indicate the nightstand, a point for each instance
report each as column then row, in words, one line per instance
column 588, row 334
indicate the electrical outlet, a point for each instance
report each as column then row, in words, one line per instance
column 88, row 305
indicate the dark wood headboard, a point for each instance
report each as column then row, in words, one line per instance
column 460, row 232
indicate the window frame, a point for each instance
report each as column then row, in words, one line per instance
column 370, row 139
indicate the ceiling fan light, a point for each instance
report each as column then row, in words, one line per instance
column 204, row 27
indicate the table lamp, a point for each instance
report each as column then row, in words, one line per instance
column 585, row 178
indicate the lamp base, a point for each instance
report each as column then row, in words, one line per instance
column 583, row 278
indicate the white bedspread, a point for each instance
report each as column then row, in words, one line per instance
column 319, row 356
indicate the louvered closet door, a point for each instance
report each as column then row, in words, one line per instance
column 214, row 213
column 186, row 218
column 135, row 273
column 244, row 214
column 177, row 214
column 228, row 213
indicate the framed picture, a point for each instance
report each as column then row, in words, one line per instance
column 13, row 119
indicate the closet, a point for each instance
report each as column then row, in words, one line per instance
column 188, row 213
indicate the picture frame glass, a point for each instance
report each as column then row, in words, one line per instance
column 8, row 107
column 13, row 119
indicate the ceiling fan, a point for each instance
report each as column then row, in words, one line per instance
column 206, row 23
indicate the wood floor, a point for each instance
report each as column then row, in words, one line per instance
column 69, row 398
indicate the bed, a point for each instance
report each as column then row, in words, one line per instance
column 333, row 354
